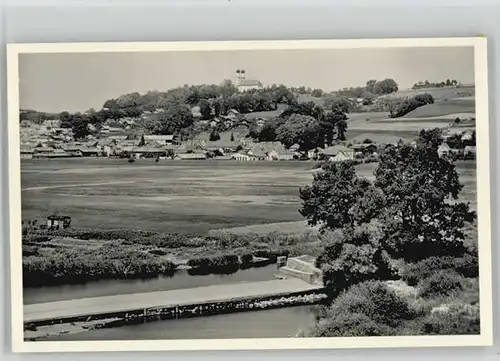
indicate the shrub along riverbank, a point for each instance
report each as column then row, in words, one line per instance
column 79, row 255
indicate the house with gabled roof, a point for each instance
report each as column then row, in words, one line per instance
column 338, row 153
column 161, row 139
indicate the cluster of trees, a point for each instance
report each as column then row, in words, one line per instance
column 372, row 89
column 400, row 107
column 306, row 124
column 405, row 214
column 427, row 84
column 410, row 213
column 212, row 99
column 36, row 116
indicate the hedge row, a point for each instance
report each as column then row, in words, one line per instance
column 215, row 239
column 71, row 268
column 408, row 105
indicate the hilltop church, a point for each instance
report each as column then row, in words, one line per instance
column 243, row 84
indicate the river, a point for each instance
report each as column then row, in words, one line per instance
column 285, row 322
column 282, row 322
column 180, row 280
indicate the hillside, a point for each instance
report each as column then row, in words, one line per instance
column 438, row 94
column 442, row 108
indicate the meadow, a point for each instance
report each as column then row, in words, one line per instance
column 190, row 197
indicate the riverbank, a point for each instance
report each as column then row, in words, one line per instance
column 77, row 256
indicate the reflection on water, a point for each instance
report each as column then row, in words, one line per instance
column 180, row 280
column 284, row 322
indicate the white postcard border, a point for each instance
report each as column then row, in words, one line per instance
column 483, row 194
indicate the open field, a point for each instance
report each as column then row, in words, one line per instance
column 444, row 108
column 438, row 115
column 185, row 197
column 437, row 93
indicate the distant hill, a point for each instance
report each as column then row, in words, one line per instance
column 439, row 94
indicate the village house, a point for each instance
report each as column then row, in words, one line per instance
column 27, row 153
column 222, row 146
column 232, row 114
column 73, row 150
column 287, row 155
column 444, row 150
column 338, row 153
column 147, row 152
column 260, row 122
column 50, row 153
column 257, row 154
column 90, row 151
column 242, row 157
column 314, row 153
column 160, row 139
column 228, row 123
column 467, row 136
column 190, row 156
column 56, row 221
column 117, row 137
column 107, row 129
column 470, row 151
column 52, row 123
column 272, row 155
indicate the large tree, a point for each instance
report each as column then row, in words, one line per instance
column 303, row 130
column 414, row 197
column 386, row 86
column 423, row 216
column 79, row 125
column 176, row 117
column 205, row 109
column 335, row 191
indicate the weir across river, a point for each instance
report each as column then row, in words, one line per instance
column 199, row 301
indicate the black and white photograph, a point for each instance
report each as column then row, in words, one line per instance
column 293, row 194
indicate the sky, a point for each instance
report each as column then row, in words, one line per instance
column 80, row 81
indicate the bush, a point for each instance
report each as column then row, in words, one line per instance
column 246, row 259
column 349, row 325
column 374, row 300
column 466, row 266
column 217, row 264
column 458, row 319
column 441, row 283
column 67, row 266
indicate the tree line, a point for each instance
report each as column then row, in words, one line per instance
column 427, row 84
column 372, row 89
column 306, row 124
column 170, row 112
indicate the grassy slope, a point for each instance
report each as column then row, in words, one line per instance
column 437, row 93
column 443, row 108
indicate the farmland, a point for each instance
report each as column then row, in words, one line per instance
column 438, row 94
column 177, row 197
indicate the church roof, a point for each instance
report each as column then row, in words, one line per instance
column 249, row 82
